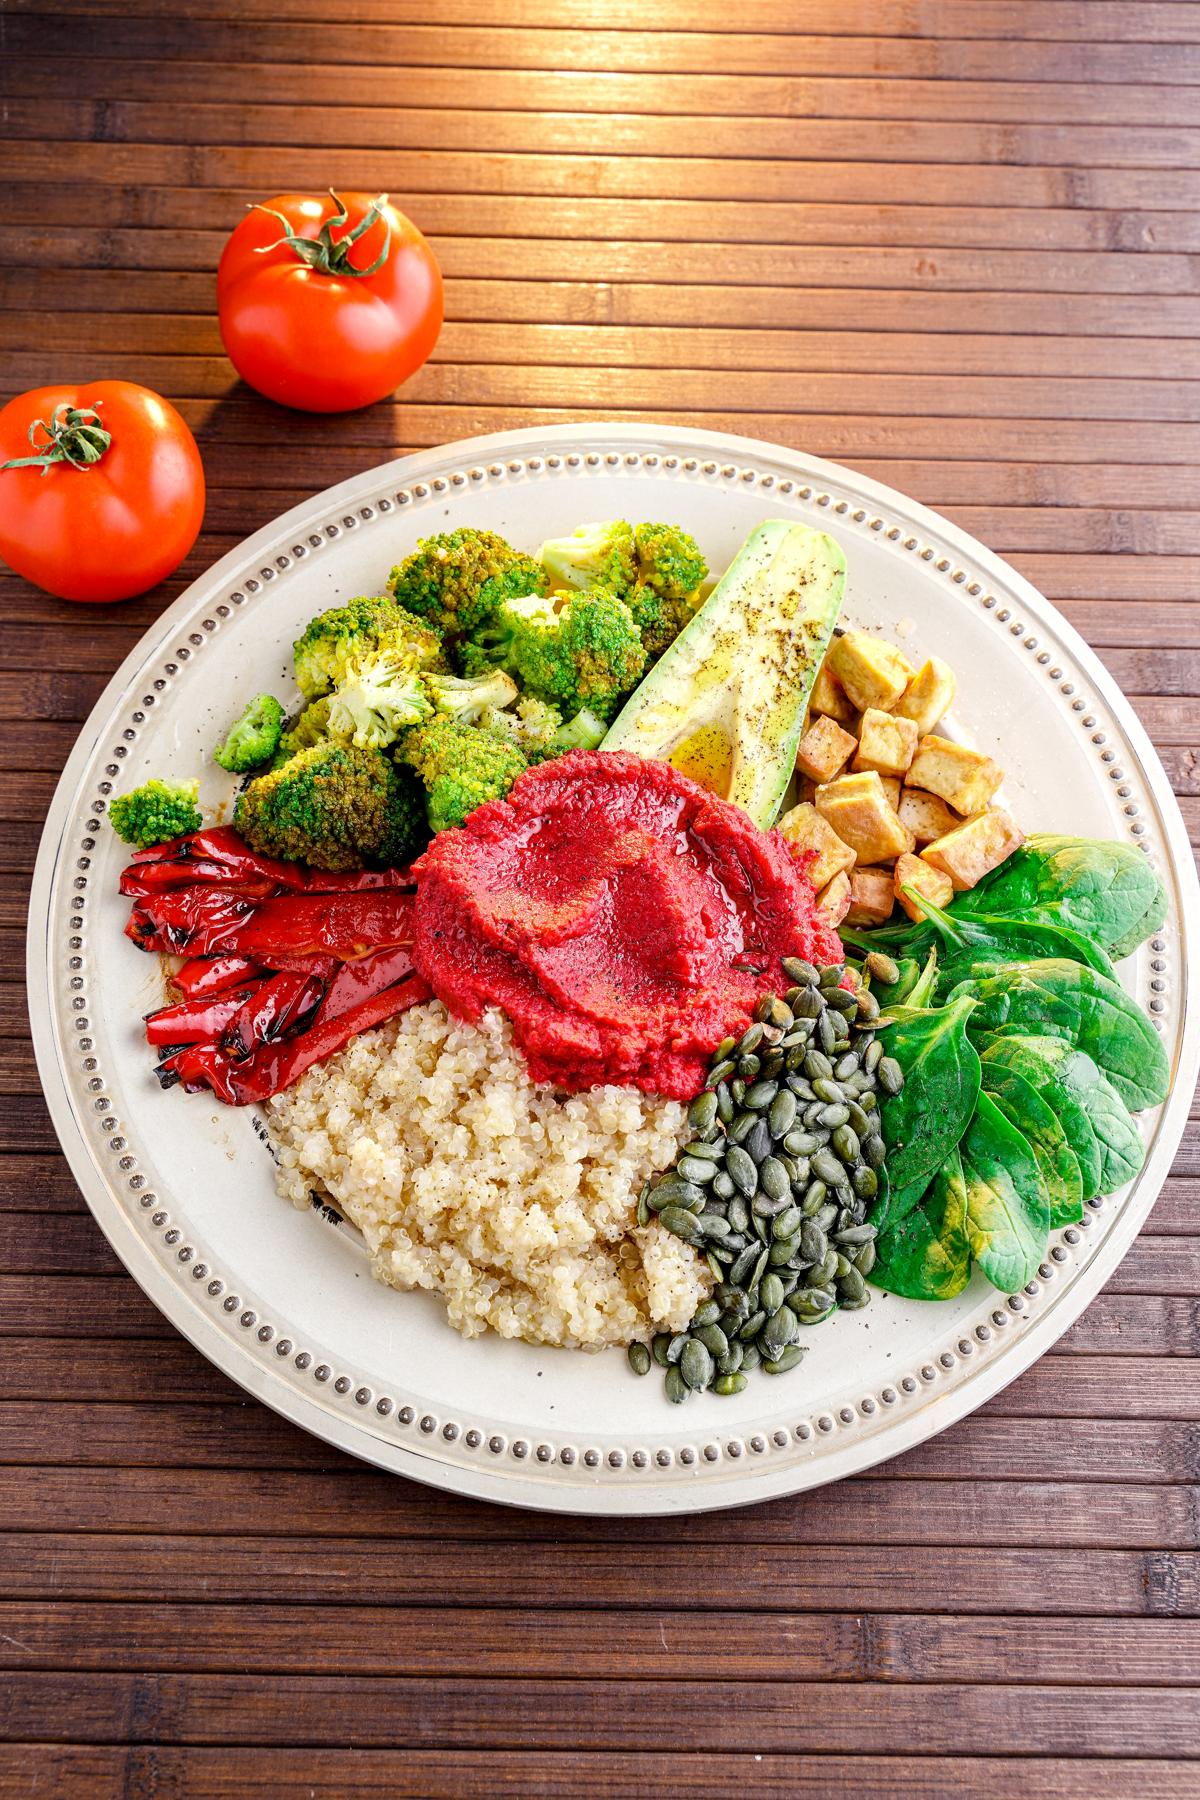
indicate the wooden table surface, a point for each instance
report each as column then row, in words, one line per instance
column 954, row 243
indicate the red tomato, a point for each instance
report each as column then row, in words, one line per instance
column 115, row 498
column 328, row 304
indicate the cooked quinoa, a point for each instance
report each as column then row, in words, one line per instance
column 515, row 1203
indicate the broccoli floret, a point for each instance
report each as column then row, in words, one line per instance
column 467, row 698
column 538, row 730
column 586, row 652
column 373, row 623
column 461, row 766
column 670, row 569
column 456, row 580
column 255, row 737
column 600, row 555
column 156, row 812
column 310, row 726
column 378, row 697
column 336, row 806
column 584, row 732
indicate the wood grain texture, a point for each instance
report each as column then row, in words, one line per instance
column 952, row 242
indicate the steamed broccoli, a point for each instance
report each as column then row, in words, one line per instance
column 586, row 652
column 666, row 592
column 600, row 555
column 156, row 812
column 466, row 698
column 335, row 806
column 371, row 624
column 461, row 766
column 309, row 727
column 455, row 581
column 255, row 737
column 538, row 730
column 378, row 697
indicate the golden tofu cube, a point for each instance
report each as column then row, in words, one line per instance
column 928, row 695
column 829, row 697
column 891, row 787
column 973, row 850
column 873, row 673
column 805, row 829
column 834, row 898
column 871, row 897
column 925, row 815
column 886, row 742
column 914, row 872
column 964, row 779
column 824, row 750
column 857, row 808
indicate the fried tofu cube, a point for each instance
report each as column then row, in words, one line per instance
column 925, row 815
column 886, row 742
column 857, row 808
column 914, row 872
column 834, row 898
column 964, row 779
column 829, row 697
column 891, row 787
column 805, row 829
column 973, row 850
column 928, row 695
column 873, row 673
column 871, row 896
column 824, row 750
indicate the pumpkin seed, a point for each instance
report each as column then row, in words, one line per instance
column 658, row 1348
column 696, row 1365
column 889, row 1075
column 643, row 1208
column 731, row 1361
column 741, row 1170
column 737, row 1089
column 843, row 1001
column 680, row 1224
column 639, row 1359
column 782, row 1252
column 851, row 1285
column 810, row 1005
column 676, row 1347
column 874, row 1152
column 753, row 1326
column 676, row 1386
column 787, row 1359
column 771, row 1293
column 798, row 970
column 845, row 1142
column 866, row 1182
column 723, row 1188
column 725, row 1106
column 757, row 1142
column 693, row 1169
column 720, row 1073
column 760, row 1096
column 752, row 1037
column 827, row 1090
column 782, row 1114
column 748, row 1067
column 881, row 968
column 867, row 1006
column 825, row 1165
column 833, row 1115
column 702, row 1113
column 773, row 1178
column 787, row 1223
column 729, row 1384
column 865, row 1258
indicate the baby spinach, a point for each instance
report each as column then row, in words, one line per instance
column 976, row 945
column 926, row 1255
column 1008, row 1211
column 1024, row 1107
column 1106, row 890
column 1057, row 998
column 924, row 1121
column 1091, row 1112
column 891, row 1205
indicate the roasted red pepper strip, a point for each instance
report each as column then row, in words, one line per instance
column 159, row 877
column 223, row 845
column 213, row 974
column 276, row 1066
column 280, row 1008
column 197, row 1021
column 205, row 921
column 221, row 856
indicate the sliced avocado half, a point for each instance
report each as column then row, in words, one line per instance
column 726, row 703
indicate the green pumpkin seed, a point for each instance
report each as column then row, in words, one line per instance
column 639, row 1359
column 691, row 1168
column 737, row 1088
column 822, row 1299
column 742, row 1170
column 855, row 1234
column 817, row 1066
column 867, row 1007
column 677, row 1346
column 825, row 1271
column 782, row 1114
column 843, row 1001
column 787, row 1223
column 702, row 1113
column 781, row 1253
column 696, row 1365
column 658, row 1348
column 845, row 1142
column 643, row 1209
column 771, row 1293
column 787, row 1359
column 760, row 1096
column 723, row 1187
column 810, row 1005
column 812, row 1241
column 715, row 1262
column 748, row 1067
column 866, row 1182
column 752, row 1327
column 680, row 1224
column 751, row 1358
column 752, row 1037
column 742, row 1267
column 676, row 1387
column 828, row 1090
column 833, row 1115
column 872, row 1056
column 801, row 1143
column 773, row 1179
column 825, row 1166
column 797, row 969
column 721, row 1072
column 864, row 1259
column 814, row 1199
column 758, row 1140
column 889, row 1075
column 874, row 1154
column 713, row 1339
column 881, row 968
column 731, row 1361
column 725, row 1106
column 729, row 1384
column 737, row 1212
column 714, row 1225
column 851, row 1285
column 827, row 1036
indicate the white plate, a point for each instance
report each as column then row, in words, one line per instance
column 282, row 1301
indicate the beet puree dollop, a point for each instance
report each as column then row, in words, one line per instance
column 623, row 917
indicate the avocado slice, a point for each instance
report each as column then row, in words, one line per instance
column 726, row 703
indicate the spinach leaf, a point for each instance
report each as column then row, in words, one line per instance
column 1098, row 1127
column 1008, row 1210
column 897, row 993
column 924, row 1121
column 1107, row 891
column 893, row 1204
column 1056, row 998
column 1024, row 1107
column 985, row 939
column 922, row 991
column 926, row 1256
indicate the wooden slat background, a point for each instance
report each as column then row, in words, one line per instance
column 955, row 243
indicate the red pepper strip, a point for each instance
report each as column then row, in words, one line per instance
column 204, row 921
column 281, row 1007
column 197, row 1021
column 159, row 877
column 190, row 921
column 211, row 975
column 223, row 845
column 331, row 881
column 276, row 1066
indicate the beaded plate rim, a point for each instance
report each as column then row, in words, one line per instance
column 681, row 1472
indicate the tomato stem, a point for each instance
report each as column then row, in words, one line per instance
column 322, row 253
column 74, row 435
